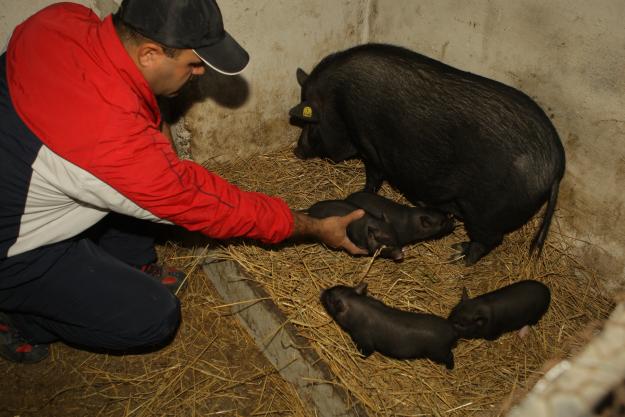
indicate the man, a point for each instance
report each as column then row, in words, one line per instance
column 80, row 138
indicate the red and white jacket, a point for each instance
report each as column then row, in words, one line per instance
column 79, row 137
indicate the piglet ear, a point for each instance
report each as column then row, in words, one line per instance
column 301, row 76
column 372, row 238
column 339, row 306
column 361, row 289
column 465, row 294
column 426, row 222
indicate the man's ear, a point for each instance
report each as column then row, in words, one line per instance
column 149, row 54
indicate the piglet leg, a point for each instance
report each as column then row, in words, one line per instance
column 524, row 331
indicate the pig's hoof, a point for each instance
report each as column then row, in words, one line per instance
column 455, row 258
column 461, row 247
column 471, row 251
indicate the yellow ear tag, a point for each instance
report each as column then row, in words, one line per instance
column 307, row 112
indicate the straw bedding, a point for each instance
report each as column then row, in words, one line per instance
column 212, row 368
column 489, row 376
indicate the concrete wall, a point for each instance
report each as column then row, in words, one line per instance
column 567, row 55
column 249, row 114
column 13, row 12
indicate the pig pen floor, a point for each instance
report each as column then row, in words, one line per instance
column 214, row 368
column 489, row 376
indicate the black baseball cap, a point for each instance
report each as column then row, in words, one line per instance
column 187, row 24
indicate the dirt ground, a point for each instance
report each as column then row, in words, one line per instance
column 211, row 368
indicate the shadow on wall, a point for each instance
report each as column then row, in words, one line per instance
column 231, row 91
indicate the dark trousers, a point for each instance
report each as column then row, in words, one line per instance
column 88, row 293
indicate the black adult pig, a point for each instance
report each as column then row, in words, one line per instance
column 410, row 224
column 374, row 326
column 368, row 232
column 504, row 310
column 463, row 143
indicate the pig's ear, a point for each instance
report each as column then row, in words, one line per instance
column 465, row 294
column 301, row 76
column 305, row 112
column 426, row 222
column 361, row 289
column 372, row 238
column 482, row 315
column 339, row 306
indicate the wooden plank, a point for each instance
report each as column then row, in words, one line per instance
column 279, row 341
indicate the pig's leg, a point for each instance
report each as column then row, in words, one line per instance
column 303, row 150
column 446, row 359
column 477, row 250
column 374, row 178
column 482, row 237
column 461, row 249
column 363, row 342
column 474, row 250
column 449, row 361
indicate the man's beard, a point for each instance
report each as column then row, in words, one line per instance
column 184, row 86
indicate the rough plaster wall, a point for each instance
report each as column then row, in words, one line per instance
column 279, row 35
column 13, row 12
column 106, row 7
column 567, row 55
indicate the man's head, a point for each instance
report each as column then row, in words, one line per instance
column 170, row 41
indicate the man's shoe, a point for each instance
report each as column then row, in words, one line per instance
column 14, row 348
column 170, row 277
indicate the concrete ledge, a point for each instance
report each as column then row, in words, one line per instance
column 574, row 387
column 279, row 341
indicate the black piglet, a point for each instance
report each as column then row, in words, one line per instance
column 374, row 326
column 510, row 308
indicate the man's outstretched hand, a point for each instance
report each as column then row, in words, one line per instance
column 332, row 231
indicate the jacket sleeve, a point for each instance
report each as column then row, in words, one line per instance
column 144, row 168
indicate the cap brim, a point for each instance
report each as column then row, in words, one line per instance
column 226, row 56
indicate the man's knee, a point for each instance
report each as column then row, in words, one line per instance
column 164, row 326
column 155, row 327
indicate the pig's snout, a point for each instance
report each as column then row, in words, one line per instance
column 394, row 253
column 298, row 153
column 303, row 150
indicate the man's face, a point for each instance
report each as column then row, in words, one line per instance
column 173, row 73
